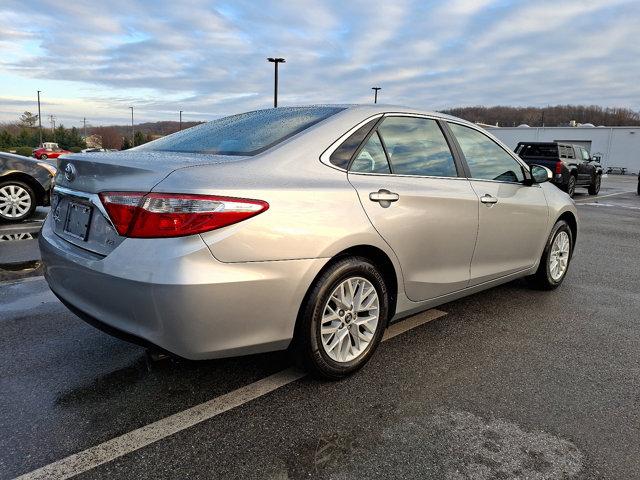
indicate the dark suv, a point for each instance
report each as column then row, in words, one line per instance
column 572, row 166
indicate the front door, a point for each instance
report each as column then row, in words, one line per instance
column 408, row 184
column 513, row 216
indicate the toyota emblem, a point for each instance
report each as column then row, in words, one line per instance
column 70, row 172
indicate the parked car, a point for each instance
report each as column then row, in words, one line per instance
column 49, row 150
column 307, row 228
column 25, row 183
column 571, row 164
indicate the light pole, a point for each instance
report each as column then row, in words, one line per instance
column 39, row 119
column 133, row 133
column 180, row 119
column 84, row 126
column 375, row 89
column 275, row 61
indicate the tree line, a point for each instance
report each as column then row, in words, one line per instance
column 550, row 116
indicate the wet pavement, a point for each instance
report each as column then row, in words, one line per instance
column 510, row 383
column 19, row 255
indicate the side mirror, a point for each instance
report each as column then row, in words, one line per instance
column 541, row 174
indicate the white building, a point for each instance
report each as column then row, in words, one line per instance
column 616, row 146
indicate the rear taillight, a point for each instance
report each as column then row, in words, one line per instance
column 154, row 215
column 558, row 167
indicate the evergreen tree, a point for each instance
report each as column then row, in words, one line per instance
column 126, row 144
column 138, row 138
column 6, row 139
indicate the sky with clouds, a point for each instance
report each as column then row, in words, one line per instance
column 208, row 58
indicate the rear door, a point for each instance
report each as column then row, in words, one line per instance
column 409, row 185
column 513, row 216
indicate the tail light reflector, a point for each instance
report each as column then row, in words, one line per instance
column 156, row 215
column 558, row 167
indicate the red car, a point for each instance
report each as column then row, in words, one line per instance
column 49, row 150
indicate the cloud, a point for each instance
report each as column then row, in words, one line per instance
column 209, row 58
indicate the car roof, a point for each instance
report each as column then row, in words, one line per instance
column 391, row 108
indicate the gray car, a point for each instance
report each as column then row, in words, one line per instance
column 309, row 228
column 25, row 183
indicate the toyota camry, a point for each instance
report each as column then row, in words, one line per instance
column 301, row 228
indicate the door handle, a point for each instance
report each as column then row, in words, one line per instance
column 488, row 199
column 384, row 197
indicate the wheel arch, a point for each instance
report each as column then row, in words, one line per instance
column 374, row 254
column 571, row 220
column 38, row 189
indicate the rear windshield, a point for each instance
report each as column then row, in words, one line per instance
column 548, row 150
column 244, row 134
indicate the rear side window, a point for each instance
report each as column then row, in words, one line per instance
column 417, row 146
column 486, row 159
column 343, row 154
column 371, row 158
column 244, row 134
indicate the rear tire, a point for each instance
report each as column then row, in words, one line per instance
column 43, row 156
column 554, row 263
column 17, row 201
column 571, row 186
column 594, row 188
column 336, row 333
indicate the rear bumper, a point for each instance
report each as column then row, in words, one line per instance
column 173, row 294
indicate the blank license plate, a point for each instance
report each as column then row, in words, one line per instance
column 78, row 220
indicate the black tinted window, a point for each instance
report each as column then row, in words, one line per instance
column 486, row 159
column 545, row 150
column 245, row 134
column 416, row 146
column 342, row 155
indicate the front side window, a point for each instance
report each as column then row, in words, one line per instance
column 371, row 158
column 486, row 159
column 417, row 146
column 244, row 134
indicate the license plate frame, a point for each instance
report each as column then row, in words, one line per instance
column 78, row 220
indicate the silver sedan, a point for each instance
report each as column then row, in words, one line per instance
column 308, row 228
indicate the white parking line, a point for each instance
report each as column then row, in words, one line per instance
column 601, row 196
column 129, row 442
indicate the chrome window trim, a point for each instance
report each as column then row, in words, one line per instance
column 326, row 155
column 406, row 175
column 93, row 198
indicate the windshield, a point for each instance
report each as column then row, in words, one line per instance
column 244, row 134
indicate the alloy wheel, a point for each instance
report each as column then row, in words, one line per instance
column 559, row 256
column 350, row 319
column 15, row 201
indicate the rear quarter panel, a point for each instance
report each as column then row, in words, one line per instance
column 313, row 210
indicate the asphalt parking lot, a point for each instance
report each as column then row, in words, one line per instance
column 507, row 383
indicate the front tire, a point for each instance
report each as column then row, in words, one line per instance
column 594, row 188
column 17, row 201
column 43, row 156
column 342, row 320
column 555, row 259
